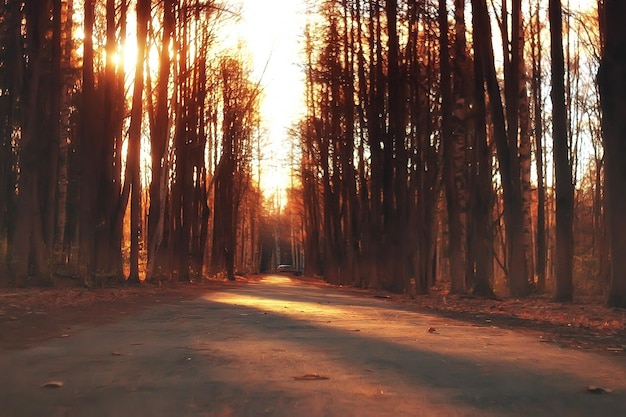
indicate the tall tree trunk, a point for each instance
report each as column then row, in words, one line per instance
column 349, row 190
column 541, row 249
column 109, row 209
column 464, row 132
column 29, row 255
column 309, row 167
column 120, row 193
column 450, row 155
column 524, row 149
column 134, row 140
column 160, row 133
column 11, row 83
column 424, row 154
column 88, row 154
column 562, row 163
column 375, row 131
column 612, row 79
column 60, row 233
column 509, row 163
column 52, row 123
column 395, row 156
column 482, row 188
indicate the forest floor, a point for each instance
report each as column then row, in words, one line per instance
column 30, row 315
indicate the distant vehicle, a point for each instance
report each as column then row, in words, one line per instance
column 288, row 269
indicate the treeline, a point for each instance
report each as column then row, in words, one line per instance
column 111, row 172
column 427, row 139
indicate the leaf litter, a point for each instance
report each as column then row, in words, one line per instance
column 311, row 377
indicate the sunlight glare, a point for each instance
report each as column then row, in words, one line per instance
column 300, row 309
column 272, row 31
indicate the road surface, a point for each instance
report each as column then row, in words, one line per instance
column 288, row 349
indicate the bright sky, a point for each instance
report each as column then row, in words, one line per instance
column 272, row 32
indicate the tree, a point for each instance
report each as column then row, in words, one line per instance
column 612, row 80
column 160, row 128
column 232, row 174
column 481, row 187
column 425, row 147
column 11, row 73
column 453, row 150
column 37, row 153
column 537, row 93
column 563, row 167
column 98, row 201
column 507, row 157
column 134, row 140
column 395, row 175
column 309, row 167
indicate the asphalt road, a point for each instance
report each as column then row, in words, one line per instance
column 288, row 349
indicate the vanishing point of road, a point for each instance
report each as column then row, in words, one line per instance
column 290, row 349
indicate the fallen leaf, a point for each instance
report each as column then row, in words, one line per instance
column 52, row 384
column 432, row 330
column 597, row 390
column 310, row 377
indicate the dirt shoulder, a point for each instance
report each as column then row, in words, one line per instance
column 30, row 315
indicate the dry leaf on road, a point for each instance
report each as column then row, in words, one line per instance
column 52, row 384
column 311, row 377
column 597, row 390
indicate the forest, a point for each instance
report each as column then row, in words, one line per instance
column 477, row 144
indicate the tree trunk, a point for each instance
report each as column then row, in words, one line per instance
column 134, row 141
column 562, row 163
column 540, row 239
column 612, row 79
column 524, row 152
column 509, row 164
column 449, row 140
column 29, row 250
column 482, row 188
column 159, row 135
